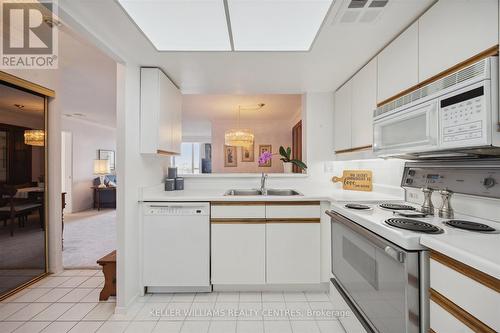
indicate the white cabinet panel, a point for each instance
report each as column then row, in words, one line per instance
column 293, row 252
column 161, row 113
column 363, row 102
column 342, row 117
column 292, row 211
column 442, row 321
column 398, row 64
column 238, row 211
column 472, row 296
column 238, row 253
column 454, row 30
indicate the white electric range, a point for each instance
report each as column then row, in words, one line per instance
column 380, row 267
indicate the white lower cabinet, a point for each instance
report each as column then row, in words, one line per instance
column 293, row 253
column 238, row 253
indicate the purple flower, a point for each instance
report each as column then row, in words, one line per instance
column 265, row 157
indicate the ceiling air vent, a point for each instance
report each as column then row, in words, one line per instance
column 473, row 71
column 360, row 11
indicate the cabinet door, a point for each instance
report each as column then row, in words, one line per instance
column 397, row 64
column 342, row 117
column 238, row 253
column 453, row 31
column 167, row 114
column 150, row 104
column 363, row 101
column 293, row 252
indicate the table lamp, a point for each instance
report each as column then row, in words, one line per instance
column 101, row 169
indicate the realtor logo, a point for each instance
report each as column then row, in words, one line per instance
column 29, row 34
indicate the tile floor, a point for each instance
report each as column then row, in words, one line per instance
column 69, row 302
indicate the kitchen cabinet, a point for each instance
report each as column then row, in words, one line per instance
column 238, row 253
column 259, row 243
column 472, row 300
column 293, row 252
column 342, row 117
column 397, row 65
column 363, row 102
column 453, row 31
column 354, row 105
column 160, row 115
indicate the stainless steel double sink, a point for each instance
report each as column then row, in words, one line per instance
column 271, row 191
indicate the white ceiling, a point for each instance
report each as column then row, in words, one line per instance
column 340, row 49
column 225, row 107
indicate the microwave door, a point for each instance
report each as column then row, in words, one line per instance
column 411, row 130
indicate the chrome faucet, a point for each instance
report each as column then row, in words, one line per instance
column 446, row 211
column 263, row 188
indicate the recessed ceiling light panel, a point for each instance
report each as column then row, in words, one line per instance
column 276, row 25
column 181, row 25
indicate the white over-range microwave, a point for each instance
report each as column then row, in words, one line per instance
column 455, row 116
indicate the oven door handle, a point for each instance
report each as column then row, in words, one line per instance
column 379, row 242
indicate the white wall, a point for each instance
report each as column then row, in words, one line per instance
column 266, row 132
column 133, row 171
column 88, row 138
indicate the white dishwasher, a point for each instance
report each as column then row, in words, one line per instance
column 176, row 247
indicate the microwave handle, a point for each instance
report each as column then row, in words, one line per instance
column 382, row 244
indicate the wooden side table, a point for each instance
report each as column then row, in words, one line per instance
column 99, row 201
column 108, row 263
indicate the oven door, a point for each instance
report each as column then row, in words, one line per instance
column 380, row 279
column 407, row 131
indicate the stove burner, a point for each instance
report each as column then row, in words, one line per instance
column 394, row 206
column 467, row 225
column 414, row 225
column 357, row 206
column 412, row 214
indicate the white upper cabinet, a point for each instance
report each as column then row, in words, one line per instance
column 398, row 64
column 342, row 117
column 452, row 31
column 161, row 113
column 363, row 102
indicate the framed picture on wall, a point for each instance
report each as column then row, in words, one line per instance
column 248, row 154
column 263, row 149
column 108, row 155
column 230, row 156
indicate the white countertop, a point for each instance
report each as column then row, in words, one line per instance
column 307, row 195
column 478, row 250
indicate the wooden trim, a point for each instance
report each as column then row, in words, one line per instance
column 492, row 51
column 166, row 152
column 238, row 203
column 23, row 286
column 350, row 150
column 237, row 221
column 265, row 203
column 293, row 220
column 463, row 316
column 292, row 203
column 481, row 277
column 27, row 85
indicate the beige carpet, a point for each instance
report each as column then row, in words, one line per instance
column 88, row 236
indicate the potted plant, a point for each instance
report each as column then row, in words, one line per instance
column 288, row 162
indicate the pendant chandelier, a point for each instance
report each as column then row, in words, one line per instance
column 34, row 137
column 241, row 137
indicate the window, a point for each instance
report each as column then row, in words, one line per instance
column 189, row 160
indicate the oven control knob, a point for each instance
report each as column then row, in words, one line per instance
column 409, row 181
column 411, row 173
column 489, row 182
